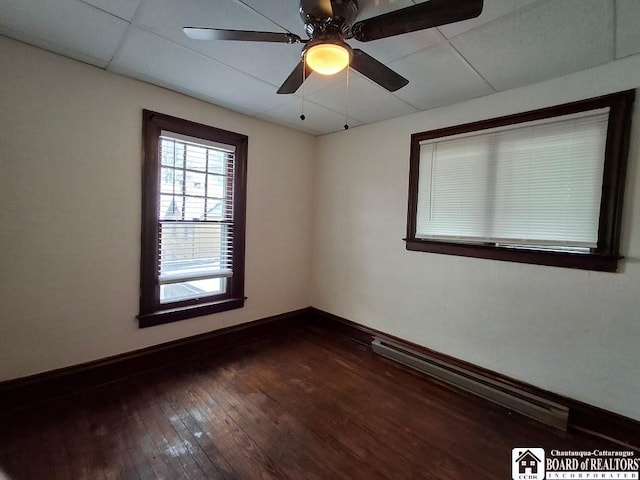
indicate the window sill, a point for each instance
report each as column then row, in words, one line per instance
column 584, row 261
column 183, row 313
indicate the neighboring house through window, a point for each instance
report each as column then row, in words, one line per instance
column 194, row 193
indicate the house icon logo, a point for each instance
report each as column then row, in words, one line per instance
column 527, row 463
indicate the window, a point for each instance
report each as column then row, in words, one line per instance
column 194, row 194
column 543, row 187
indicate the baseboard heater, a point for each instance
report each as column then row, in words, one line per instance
column 550, row 413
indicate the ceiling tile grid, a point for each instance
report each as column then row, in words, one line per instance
column 492, row 9
column 511, row 44
column 68, row 27
column 124, row 9
column 627, row 28
column 148, row 57
column 439, row 76
column 284, row 13
column 393, row 48
column 551, row 39
column 356, row 99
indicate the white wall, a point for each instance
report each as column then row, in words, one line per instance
column 573, row 332
column 70, row 161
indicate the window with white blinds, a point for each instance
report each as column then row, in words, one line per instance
column 193, row 219
column 535, row 184
column 196, row 217
column 543, row 187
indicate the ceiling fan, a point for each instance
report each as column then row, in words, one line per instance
column 328, row 23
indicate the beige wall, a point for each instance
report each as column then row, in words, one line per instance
column 70, row 156
column 573, row 332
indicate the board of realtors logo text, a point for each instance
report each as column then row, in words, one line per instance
column 528, row 463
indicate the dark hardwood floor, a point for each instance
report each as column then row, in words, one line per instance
column 296, row 405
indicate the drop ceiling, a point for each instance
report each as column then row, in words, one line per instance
column 511, row 44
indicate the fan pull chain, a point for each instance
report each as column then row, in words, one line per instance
column 346, row 102
column 304, row 68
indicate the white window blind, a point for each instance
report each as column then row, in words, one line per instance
column 195, row 217
column 534, row 184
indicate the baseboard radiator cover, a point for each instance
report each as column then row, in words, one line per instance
column 550, row 413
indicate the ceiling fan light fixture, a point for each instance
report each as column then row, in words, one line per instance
column 328, row 23
column 328, row 58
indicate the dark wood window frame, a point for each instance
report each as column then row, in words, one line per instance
column 152, row 311
column 606, row 255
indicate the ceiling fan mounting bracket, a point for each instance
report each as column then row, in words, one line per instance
column 330, row 28
column 332, row 22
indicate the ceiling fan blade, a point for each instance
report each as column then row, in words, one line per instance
column 294, row 80
column 376, row 71
column 243, row 35
column 416, row 17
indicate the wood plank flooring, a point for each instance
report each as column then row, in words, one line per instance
column 303, row 404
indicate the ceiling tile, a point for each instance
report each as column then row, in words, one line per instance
column 149, row 57
column 125, row 9
column 167, row 17
column 270, row 62
column 367, row 101
column 318, row 120
column 284, row 13
column 392, row 48
column 315, row 82
column 628, row 28
column 491, row 10
column 552, row 39
column 438, row 76
column 91, row 36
